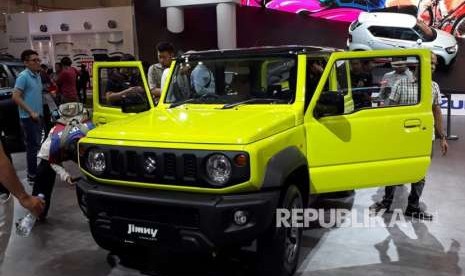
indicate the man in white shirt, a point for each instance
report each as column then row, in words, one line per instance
column 405, row 92
column 165, row 54
column 401, row 71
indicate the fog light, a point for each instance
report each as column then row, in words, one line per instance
column 241, row 218
column 150, row 164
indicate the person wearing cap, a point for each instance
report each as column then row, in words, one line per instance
column 400, row 71
column 405, row 92
column 60, row 146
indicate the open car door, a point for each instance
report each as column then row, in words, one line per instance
column 119, row 90
column 355, row 139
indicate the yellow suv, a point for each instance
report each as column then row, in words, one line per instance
column 237, row 134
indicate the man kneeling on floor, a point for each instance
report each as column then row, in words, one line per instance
column 60, row 146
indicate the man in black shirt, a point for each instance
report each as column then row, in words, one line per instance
column 362, row 81
column 83, row 82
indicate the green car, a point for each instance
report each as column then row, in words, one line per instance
column 237, row 134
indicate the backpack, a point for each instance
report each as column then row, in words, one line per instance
column 73, row 124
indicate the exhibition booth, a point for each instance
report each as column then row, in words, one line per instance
column 238, row 137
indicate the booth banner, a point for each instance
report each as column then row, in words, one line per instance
column 458, row 105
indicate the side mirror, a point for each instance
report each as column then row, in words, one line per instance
column 330, row 103
column 419, row 42
column 134, row 104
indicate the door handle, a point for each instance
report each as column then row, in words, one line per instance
column 102, row 120
column 412, row 123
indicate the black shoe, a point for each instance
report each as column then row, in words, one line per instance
column 418, row 214
column 378, row 206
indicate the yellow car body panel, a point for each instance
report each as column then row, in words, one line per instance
column 103, row 114
column 362, row 149
column 372, row 147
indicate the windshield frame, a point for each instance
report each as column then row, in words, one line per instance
column 237, row 58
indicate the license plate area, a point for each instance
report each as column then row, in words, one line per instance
column 143, row 232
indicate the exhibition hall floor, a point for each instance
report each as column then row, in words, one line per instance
column 63, row 245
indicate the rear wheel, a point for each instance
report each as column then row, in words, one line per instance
column 279, row 248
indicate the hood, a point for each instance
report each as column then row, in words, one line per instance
column 444, row 39
column 205, row 126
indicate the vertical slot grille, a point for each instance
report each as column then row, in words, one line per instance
column 132, row 162
column 190, row 166
column 170, row 165
column 117, row 165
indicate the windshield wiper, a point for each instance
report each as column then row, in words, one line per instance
column 202, row 98
column 231, row 105
column 175, row 104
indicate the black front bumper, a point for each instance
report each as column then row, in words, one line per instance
column 185, row 221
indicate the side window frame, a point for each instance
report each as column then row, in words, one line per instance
column 99, row 94
column 331, row 76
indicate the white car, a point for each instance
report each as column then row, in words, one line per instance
column 382, row 30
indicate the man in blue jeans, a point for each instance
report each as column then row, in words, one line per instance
column 27, row 94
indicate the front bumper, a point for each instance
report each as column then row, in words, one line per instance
column 183, row 221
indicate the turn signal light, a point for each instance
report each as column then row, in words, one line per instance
column 241, row 160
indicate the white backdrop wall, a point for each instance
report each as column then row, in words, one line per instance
column 76, row 41
column 18, row 33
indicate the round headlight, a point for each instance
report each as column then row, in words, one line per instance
column 219, row 169
column 96, row 161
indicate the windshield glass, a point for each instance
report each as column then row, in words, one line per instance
column 426, row 33
column 16, row 69
column 233, row 80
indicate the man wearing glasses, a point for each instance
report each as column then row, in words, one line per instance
column 27, row 94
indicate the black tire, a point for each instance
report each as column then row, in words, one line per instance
column 113, row 260
column 278, row 249
column 442, row 65
column 459, row 27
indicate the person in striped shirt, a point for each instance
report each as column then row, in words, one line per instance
column 405, row 92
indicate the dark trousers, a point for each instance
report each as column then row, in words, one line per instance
column 47, row 122
column 44, row 183
column 32, row 135
column 414, row 197
column 415, row 192
column 82, row 92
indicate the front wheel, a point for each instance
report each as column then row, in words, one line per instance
column 278, row 250
column 459, row 28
